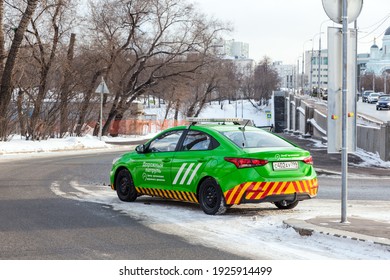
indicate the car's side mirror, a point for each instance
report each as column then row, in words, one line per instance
column 140, row 149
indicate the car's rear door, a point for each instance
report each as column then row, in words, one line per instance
column 191, row 159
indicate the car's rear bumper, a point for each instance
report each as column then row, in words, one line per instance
column 255, row 192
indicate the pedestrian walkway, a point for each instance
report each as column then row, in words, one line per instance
column 356, row 228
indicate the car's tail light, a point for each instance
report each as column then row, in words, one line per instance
column 246, row 162
column 308, row 160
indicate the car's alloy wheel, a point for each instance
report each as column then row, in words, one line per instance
column 125, row 186
column 211, row 199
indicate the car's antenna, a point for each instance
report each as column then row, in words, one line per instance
column 243, row 128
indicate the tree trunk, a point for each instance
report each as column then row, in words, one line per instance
column 65, row 91
column 2, row 42
column 177, row 107
column 21, row 116
column 86, row 102
column 169, row 105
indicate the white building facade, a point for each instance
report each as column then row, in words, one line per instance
column 287, row 74
column 237, row 50
column 379, row 59
column 316, row 69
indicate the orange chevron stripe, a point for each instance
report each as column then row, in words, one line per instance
column 265, row 186
column 253, row 190
column 243, row 190
column 183, row 196
column 259, row 190
column 299, row 187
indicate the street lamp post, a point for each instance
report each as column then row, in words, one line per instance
column 311, row 64
column 297, row 78
column 319, row 59
column 303, row 65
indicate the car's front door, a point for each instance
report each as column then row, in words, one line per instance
column 153, row 169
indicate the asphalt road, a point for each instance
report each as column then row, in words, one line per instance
column 37, row 224
column 370, row 110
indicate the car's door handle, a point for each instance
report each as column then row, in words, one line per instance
column 166, row 160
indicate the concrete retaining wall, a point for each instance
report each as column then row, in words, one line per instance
column 305, row 119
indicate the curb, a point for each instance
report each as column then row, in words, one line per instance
column 307, row 229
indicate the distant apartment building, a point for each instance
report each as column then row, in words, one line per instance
column 287, row 74
column 316, row 69
column 238, row 53
column 377, row 62
column 237, row 50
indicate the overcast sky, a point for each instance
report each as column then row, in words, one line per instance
column 281, row 29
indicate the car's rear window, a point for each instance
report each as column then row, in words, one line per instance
column 255, row 139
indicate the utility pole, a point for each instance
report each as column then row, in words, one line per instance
column 340, row 12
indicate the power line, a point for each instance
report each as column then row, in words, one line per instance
column 379, row 23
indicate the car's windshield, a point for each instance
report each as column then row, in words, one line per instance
column 255, row 139
column 384, row 98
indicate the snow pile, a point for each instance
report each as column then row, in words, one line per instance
column 19, row 145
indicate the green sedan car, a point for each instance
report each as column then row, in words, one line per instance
column 217, row 164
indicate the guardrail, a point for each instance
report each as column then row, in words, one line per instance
column 310, row 119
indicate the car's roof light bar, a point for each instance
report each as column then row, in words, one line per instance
column 236, row 121
column 196, row 120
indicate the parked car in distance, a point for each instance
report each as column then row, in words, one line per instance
column 365, row 94
column 373, row 97
column 383, row 102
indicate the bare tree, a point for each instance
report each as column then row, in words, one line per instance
column 154, row 39
column 266, row 80
column 66, row 87
column 47, row 29
column 6, row 78
column 135, row 44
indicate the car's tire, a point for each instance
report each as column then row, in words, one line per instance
column 284, row 206
column 211, row 199
column 125, row 188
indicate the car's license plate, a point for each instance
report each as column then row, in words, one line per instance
column 285, row 165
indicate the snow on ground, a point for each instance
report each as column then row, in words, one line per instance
column 253, row 231
column 18, row 147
